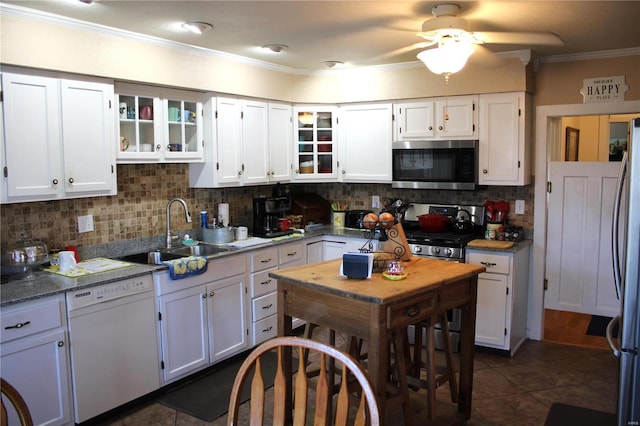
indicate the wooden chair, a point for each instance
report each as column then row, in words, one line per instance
column 367, row 408
column 14, row 397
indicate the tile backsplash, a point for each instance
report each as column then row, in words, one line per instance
column 139, row 208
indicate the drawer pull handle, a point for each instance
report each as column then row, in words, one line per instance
column 292, row 254
column 267, row 330
column 268, row 306
column 412, row 311
column 266, row 260
column 488, row 264
column 265, row 282
column 18, row 325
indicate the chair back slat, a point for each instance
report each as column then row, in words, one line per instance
column 342, row 406
column 322, row 394
column 367, row 412
column 302, row 384
column 18, row 403
column 257, row 395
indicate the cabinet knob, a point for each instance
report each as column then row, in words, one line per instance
column 55, row 181
column 204, row 295
column 70, row 180
column 158, row 147
column 240, row 173
column 296, row 171
column 430, row 127
column 440, row 127
column 213, row 293
column 60, row 343
column 485, row 171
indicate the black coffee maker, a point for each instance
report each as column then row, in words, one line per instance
column 266, row 212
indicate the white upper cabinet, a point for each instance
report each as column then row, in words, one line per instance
column 59, row 137
column 365, row 143
column 453, row 117
column 316, row 146
column 280, row 142
column 255, row 144
column 504, row 151
column 250, row 144
column 158, row 125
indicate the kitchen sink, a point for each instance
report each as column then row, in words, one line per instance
column 173, row 253
column 144, row 257
column 200, row 250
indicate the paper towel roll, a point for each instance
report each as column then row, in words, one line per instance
column 223, row 214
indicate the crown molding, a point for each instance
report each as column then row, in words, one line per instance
column 601, row 54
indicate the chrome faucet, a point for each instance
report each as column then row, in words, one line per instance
column 186, row 212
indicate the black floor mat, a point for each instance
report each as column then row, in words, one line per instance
column 563, row 415
column 598, row 326
column 207, row 397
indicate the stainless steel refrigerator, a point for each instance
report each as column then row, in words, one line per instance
column 626, row 257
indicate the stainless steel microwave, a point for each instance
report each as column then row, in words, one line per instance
column 437, row 164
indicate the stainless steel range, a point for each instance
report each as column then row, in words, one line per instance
column 450, row 244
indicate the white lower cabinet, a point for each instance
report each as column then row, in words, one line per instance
column 35, row 359
column 263, row 294
column 334, row 247
column 202, row 318
column 501, row 315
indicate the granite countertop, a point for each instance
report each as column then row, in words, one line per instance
column 48, row 284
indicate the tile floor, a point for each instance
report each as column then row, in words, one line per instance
column 507, row 391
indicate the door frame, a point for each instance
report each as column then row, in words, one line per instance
column 547, row 130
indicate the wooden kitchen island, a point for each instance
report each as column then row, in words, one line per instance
column 372, row 308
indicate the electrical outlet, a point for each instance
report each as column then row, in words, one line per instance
column 519, row 206
column 85, row 223
column 375, row 201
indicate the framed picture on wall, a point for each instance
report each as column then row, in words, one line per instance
column 571, row 144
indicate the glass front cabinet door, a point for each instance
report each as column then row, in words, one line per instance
column 316, row 143
column 158, row 126
column 183, row 131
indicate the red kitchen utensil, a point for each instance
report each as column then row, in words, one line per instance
column 501, row 209
column 488, row 208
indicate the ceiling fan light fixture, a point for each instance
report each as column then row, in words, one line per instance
column 332, row 64
column 197, row 27
column 448, row 58
column 275, row 48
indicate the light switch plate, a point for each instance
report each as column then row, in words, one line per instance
column 375, row 201
column 85, row 223
column 519, row 206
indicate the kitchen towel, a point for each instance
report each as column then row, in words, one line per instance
column 186, row 266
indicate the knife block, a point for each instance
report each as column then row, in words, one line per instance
column 397, row 243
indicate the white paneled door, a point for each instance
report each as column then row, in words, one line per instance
column 578, row 267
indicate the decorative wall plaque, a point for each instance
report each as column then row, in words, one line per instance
column 603, row 89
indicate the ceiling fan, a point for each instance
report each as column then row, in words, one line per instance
column 447, row 25
column 455, row 42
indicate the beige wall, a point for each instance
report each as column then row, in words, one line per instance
column 560, row 83
column 30, row 43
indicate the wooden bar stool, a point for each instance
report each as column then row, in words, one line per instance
column 436, row 376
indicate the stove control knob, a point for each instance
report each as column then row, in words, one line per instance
column 448, row 252
column 436, row 250
column 417, row 249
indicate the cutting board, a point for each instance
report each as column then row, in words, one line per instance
column 490, row 244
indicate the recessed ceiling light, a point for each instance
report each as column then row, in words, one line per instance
column 276, row 48
column 197, row 27
column 331, row 64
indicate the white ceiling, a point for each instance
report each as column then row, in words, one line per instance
column 356, row 32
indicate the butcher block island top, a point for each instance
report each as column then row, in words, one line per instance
column 422, row 274
column 379, row 310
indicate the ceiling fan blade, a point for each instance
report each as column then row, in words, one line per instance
column 400, row 51
column 485, row 57
column 522, row 38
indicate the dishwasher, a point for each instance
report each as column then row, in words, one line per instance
column 114, row 345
